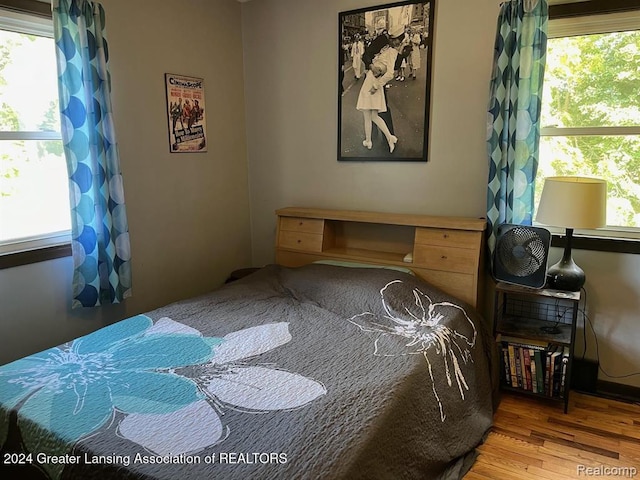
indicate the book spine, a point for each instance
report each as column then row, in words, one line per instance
column 534, row 379
column 565, row 362
column 557, row 372
column 527, row 369
column 518, row 366
column 512, row 366
column 548, row 369
column 556, row 360
column 539, row 358
column 507, row 368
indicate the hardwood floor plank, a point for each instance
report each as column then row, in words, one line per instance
column 554, row 458
column 610, row 431
column 553, row 431
column 580, row 457
column 523, row 437
column 576, row 445
column 532, row 439
column 631, row 456
column 495, row 468
column 630, row 409
column 549, row 474
column 477, row 476
column 563, row 471
column 507, row 455
column 598, row 441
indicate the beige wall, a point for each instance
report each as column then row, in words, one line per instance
column 291, row 89
column 188, row 213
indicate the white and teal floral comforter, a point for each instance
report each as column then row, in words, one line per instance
column 311, row 373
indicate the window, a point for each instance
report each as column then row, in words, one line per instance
column 590, row 111
column 34, row 197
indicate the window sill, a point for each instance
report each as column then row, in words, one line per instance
column 16, row 259
column 599, row 244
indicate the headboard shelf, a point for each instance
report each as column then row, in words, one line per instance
column 364, row 254
column 454, row 223
column 445, row 251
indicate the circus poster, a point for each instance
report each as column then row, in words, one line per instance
column 186, row 114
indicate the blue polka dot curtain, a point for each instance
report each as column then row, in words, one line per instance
column 514, row 112
column 100, row 244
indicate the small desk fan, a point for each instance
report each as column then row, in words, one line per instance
column 520, row 256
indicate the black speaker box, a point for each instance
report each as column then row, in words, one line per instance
column 584, row 375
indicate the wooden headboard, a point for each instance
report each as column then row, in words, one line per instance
column 445, row 251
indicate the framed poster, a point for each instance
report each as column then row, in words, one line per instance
column 186, row 113
column 384, row 71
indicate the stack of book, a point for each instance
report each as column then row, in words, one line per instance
column 534, row 366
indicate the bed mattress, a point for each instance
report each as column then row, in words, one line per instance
column 317, row 372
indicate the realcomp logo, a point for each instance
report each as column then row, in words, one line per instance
column 605, row 470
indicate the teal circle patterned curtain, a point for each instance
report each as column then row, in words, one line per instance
column 100, row 232
column 514, row 112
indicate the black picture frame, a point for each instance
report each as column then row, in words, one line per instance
column 406, row 99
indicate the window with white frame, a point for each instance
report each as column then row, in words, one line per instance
column 34, row 197
column 591, row 111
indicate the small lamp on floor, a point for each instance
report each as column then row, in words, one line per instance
column 571, row 202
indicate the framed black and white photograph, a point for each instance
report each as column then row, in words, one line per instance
column 384, row 71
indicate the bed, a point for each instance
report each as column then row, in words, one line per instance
column 313, row 372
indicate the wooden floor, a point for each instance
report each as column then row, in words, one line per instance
column 534, row 439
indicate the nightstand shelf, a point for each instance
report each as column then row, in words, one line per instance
column 535, row 330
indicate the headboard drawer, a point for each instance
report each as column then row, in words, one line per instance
column 309, row 242
column 308, row 225
column 447, row 259
column 448, row 238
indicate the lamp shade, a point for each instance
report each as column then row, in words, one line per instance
column 573, row 202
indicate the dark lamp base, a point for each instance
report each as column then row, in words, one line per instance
column 566, row 275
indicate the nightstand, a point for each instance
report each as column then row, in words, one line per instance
column 240, row 273
column 535, row 330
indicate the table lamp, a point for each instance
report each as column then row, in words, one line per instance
column 571, row 202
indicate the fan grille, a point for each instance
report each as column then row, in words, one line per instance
column 522, row 252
